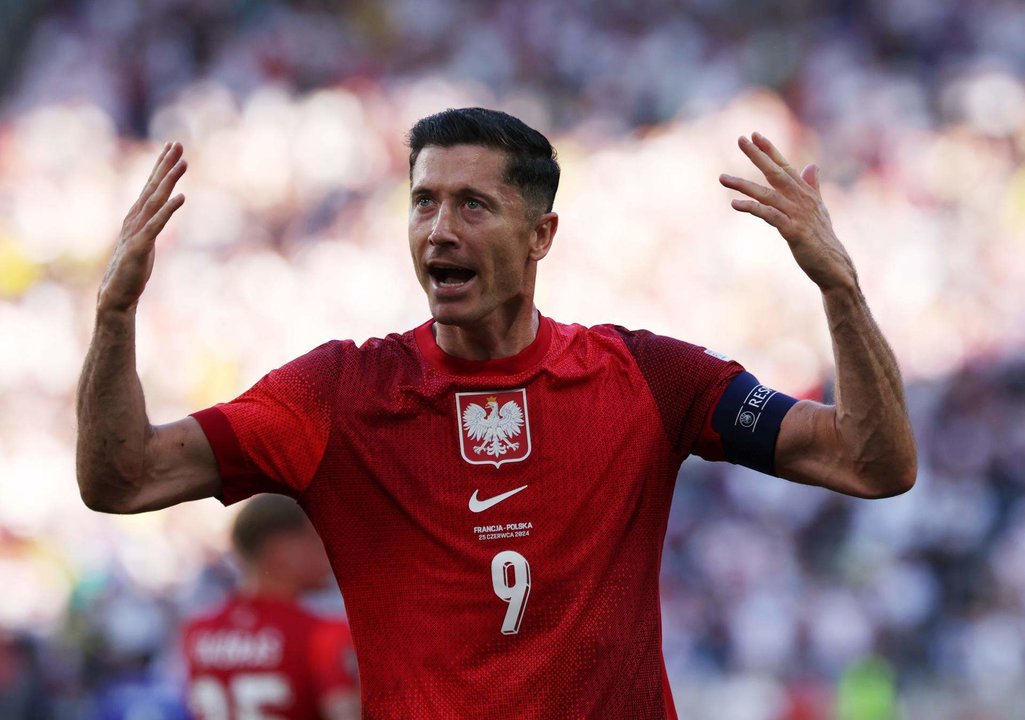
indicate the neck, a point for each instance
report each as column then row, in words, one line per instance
column 269, row 585
column 492, row 340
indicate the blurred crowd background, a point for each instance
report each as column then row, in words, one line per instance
column 780, row 602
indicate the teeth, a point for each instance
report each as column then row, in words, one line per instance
column 451, row 277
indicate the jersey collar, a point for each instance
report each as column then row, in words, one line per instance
column 527, row 358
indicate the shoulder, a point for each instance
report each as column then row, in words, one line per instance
column 322, row 361
column 330, row 630
column 208, row 618
column 396, row 345
column 645, row 346
column 675, row 370
column 384, row 361
column 334, row 358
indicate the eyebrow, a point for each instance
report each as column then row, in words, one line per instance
column 461, row 191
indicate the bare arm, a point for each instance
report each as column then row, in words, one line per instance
column 124, row 463
column 864, row 445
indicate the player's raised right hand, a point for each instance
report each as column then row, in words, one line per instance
column 132, row 263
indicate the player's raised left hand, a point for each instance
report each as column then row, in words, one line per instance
column 793, row 205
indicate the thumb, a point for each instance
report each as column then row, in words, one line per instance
column 811, row 175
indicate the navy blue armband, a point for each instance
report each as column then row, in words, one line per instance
column 748, row 418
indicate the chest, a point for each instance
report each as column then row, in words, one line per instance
column 472, row 463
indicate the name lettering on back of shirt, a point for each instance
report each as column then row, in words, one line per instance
column 238, row 648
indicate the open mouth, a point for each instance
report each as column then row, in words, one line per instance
column 451, row 275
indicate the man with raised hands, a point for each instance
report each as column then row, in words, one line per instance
column 493, row 486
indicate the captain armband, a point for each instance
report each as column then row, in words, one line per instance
column 748, row 418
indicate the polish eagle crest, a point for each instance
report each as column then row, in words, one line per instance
column 495, row 428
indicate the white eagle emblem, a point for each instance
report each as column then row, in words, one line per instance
column 490, row 431
column 494, row 429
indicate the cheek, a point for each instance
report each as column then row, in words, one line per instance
column 507, row 264
column 416, row 251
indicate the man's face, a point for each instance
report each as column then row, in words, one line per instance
column 473, row 245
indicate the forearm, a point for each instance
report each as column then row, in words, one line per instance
column 112, row 424
column 864, row 445
column 871, row 418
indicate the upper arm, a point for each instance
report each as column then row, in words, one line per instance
column 810, row 450
column 180, row 466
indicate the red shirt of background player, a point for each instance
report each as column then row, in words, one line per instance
column 265, row 657
column 262, row 655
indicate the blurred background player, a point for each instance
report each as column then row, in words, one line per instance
column 262, row 654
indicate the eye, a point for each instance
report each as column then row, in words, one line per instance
column 474, row 204
column 422, row 201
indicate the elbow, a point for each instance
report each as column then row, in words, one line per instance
column 95, row 501
column 98, row 496
column 891, row 486
column 894, row 479
column 906, row 480
column 881, row 469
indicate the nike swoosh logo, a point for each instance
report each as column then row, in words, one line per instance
column 482, row 505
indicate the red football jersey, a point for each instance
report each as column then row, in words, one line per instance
column 496, row 526
column 259, row 657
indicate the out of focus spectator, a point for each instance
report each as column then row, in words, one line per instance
column 23, row 691
column 122, row 662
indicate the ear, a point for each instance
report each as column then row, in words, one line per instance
column 543, row 234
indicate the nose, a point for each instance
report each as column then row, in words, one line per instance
column 443, row 231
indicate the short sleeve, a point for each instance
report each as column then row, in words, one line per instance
column 271, row 438
column 686, row 382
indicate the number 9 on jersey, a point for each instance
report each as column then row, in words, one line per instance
column 510, row 576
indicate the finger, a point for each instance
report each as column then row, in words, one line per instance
column 769, row 214
column 160, row 218
column 142, row 194
column 776, row 175
column 169, row 180
column 163, row 191
column 766, row 146
column 167, row 146
column 811, row 175
column 760, row 193
column 167, row 160
column 152, row 180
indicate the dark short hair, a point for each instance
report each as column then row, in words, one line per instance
column 532, row 167
column 263, row 517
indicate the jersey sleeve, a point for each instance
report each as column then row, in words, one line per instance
column 686, row 382
column 272, row 437
column 710, row 406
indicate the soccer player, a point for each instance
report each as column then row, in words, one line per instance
column 493, row 486
column 262, row 655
